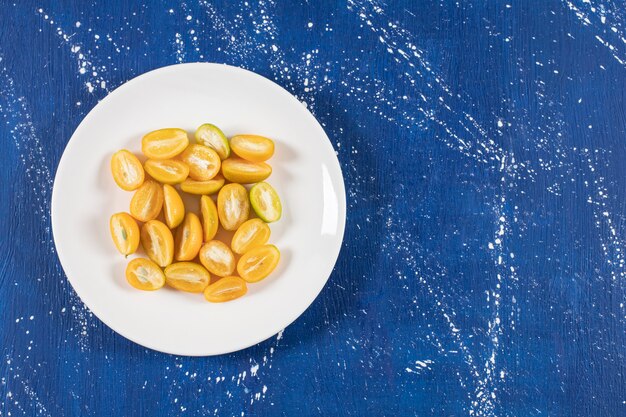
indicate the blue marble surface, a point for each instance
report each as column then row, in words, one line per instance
column 484, row 151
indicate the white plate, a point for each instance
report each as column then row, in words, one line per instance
column 306, row 174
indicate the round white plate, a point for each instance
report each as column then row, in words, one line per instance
column 306, row 175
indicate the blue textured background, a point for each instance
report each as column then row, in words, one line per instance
column 484, row 151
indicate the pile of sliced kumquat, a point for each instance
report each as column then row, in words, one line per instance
column 183, row 250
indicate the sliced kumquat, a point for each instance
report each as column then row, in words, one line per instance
column 225, row 289
column 213, row 137
column 233, row 206
column 187, row 276
column 253, row 233
column 210, row 221
column 188, row 258
column 173, row 206
column 164, row 143
column 125, row 233
column 127, row 170
column 265, row 202
column 204, row 163
column 167, row 171
column 252, row 147
column 203, row 187
column 147, row 201
column 217, row 257
column 258, row 263
column 158, row 242
column 245, row 172
column 188, row 238
column 144, row 274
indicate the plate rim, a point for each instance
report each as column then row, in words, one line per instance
column 340, row 192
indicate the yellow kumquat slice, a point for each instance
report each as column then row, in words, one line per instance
column 158, row 242
column 202, row 187
column 225, row 289
column 164, row 143
column 252, row 147
column 233, row 206
column 125, row 233
column 188, row 238
column 245, row 172
column 147, row 201
column 173, row 206
column 258, row 263
column 210, row 221
column 217, row 257
column 127, row 170
column 251, row 234
column 145, row 275
column 187, row 276
column 204, row 163
column 168, row 171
